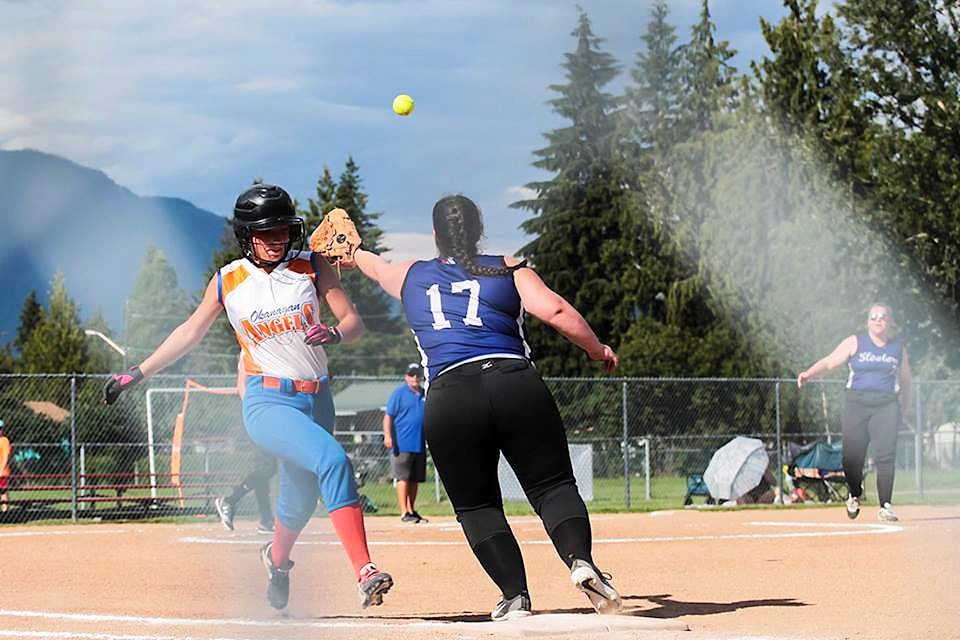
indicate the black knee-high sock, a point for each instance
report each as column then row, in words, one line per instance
column 495, row 546
column 499, row 555
column 573, row 540
column 566, row 521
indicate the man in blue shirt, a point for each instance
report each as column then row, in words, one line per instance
column 403, row 435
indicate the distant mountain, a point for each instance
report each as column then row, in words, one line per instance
column 59, row 215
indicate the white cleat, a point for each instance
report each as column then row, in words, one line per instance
column 596, row 585
column 886, row 513
column 853, row 507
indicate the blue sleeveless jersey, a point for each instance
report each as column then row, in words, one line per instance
column 457, row 317
column 874, row 368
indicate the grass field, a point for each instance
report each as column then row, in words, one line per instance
column 941, row 487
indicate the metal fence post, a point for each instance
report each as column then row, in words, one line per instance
column 646, row 467
column 73, row 448
column 151, row 457
column 626, row 444
column 918, row 443
column 779, row 444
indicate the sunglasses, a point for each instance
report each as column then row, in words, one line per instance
column 878, row 316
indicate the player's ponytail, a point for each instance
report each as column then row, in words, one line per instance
column 459, row 227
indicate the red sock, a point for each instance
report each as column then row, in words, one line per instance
column 348, row 523
column 283, row 540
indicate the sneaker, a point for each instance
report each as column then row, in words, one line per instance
column 408, row 517
column 419, row 517
column 372, row 585
column 853, row 507
column 265, row 528
column 886, row 513
column 278, row 590
column 596, row 585
column 516, row 607
column 225, row 511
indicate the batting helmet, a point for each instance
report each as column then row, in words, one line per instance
column 265, row 206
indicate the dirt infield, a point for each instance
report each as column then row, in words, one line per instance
column 758, row 573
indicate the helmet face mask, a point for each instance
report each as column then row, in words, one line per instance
column 262, row 207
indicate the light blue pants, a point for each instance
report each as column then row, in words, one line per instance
column 294, row 427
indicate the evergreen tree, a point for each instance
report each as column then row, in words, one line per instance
column 156, row 306
column 57, row 343
column 387, row 345
column 875, row 94
column 908, row 73
column 102, row 358
column 665, row 336
column 8, row 361
column 31, row 314
column 708, row 87
column 651, row 103
column 372, row 303
column 580, row 214
column 219, row 351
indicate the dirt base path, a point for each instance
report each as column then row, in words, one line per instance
column 807, row 573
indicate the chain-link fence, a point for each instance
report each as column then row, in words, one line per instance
column 169, row 447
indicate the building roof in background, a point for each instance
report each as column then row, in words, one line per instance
column 365, row 395
column 48, row 409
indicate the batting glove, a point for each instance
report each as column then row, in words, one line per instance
column 322, row 334
column 119, row 382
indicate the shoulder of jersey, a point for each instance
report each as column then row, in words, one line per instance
column 300, row 262
column 231, row 266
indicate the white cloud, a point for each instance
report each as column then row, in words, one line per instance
column 520, row 193
column 11, row 121
column 409, row 246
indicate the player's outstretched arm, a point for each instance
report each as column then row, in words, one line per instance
column 349, row 323
column 544, row 303
column 389, row 276
column 188, row 335
column 180, row 341
column 837, row 357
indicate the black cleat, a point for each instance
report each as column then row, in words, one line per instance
column 278, row 589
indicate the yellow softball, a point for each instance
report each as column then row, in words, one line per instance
column 403, row 105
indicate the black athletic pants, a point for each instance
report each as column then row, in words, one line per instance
column 474, row 412
column 870, row 417
column 258, row 481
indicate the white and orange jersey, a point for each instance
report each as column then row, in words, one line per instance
column 270, row 312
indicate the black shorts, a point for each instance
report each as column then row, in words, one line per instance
column 411, row 467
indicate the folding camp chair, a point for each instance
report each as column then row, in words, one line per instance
column 817, row 468
column 696, row 487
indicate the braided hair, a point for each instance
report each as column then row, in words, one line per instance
column 459, row 227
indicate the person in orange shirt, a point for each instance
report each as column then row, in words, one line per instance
column 5, row 451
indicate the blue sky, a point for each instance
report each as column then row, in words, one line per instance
column 193, row 100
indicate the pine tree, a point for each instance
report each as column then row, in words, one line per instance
column 219, row 351
column 708, row 87
column 372, row 303
column 580, row 214
column 31, row 315
column 651, row 103
column 156, row 306
column 908, row 57
column 102, row 358
column 386, row 346
column 875, row 93
column 57, row 343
